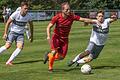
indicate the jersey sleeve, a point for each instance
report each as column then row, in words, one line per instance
column 54, row 19
column 13, row 16
column 76, row 17
column 108, row 20
column 30, row 17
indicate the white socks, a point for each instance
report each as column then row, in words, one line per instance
column 2, row 49
column 81, row 61
column 14, row 54
column 76, row 58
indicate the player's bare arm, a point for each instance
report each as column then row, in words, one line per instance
column 90, row 21
column 6, row 28
column 86, row 20
column 50, row 25
column 31, row 30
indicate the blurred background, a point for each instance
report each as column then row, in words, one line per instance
column 45, row 9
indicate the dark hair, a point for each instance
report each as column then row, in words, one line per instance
column 100, row 11
column 24, row 3
column 64, row 3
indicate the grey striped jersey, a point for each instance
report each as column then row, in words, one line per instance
column 19, row 22
column 99, row 34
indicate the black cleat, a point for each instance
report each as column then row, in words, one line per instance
column 46, row 57
column 77, row 64
column 70, row 63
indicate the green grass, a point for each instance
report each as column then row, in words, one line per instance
column 28, row 65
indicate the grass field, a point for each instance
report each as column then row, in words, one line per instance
column 29, row 64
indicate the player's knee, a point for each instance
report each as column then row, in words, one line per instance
column 7, row 45
column 20, row 45
column 87, row 52
column 87, row 59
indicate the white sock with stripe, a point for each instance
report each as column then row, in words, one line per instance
column 2, row 49
column 81, row 61
column 14, row 54
column 76, row 58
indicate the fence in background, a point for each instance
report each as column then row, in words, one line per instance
column 38, row 15
column 48, row 14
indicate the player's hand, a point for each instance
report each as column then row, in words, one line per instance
column 48, row 38
column 31, row 39
column 4, row 36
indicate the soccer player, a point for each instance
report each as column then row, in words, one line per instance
column 59, row 40
column 17, row 23
column 26, row 27
column 97, row 41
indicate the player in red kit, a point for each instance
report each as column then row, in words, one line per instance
column 59, row 40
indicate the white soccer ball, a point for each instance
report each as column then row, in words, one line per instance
column 86, row 69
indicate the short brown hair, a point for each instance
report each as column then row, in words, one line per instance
column 64, row 3
column 100, row 11
column 24, row 3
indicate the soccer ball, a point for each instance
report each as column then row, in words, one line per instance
column 86, row 69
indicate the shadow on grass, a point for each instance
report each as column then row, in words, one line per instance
column 107, row 67
column 33, row 61
column 64, row 71
column 70, row 69
column 78, row 68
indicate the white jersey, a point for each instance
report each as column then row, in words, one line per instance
column 19, row 22
column 99, row 35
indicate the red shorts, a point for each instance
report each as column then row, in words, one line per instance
column 59, row 44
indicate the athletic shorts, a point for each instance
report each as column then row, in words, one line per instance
column 94, row 49
column 59, row 44
column 12, row 36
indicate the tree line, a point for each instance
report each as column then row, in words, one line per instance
column 55, row 4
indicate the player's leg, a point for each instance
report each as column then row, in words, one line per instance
column 53, row 45
column 63, row 49
column 82, row 54
column 8, row 43
column 85, row 60
column 20, row 43
column 51, row 61
column 78, row 57
column 51, row 55
column 93, row 55
column 5, row 47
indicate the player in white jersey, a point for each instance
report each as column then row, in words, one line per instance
column 18, row 21
column 97, row 41
column 27, row 28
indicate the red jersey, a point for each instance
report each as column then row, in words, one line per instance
column 63, row 25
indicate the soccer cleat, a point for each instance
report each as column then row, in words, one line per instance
column 9, row 63
column 50, row 70
column 77, row 64
column 70, row 63
column 46, row 57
